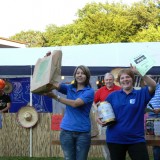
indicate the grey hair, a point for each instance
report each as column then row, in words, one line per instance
column 109, row 74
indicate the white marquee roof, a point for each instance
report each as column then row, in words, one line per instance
column 113, row 54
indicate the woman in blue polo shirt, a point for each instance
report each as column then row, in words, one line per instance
column 127, row 134
column 75, row 136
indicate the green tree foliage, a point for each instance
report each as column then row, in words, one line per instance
column 101, row 23
column 106, row 23
column 145, row 14
column 151, row 34
column 30, row 38
column 59, row 36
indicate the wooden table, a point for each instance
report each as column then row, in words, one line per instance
column 151, row 140
column 98, row 140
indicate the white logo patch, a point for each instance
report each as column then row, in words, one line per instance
column 132, row 101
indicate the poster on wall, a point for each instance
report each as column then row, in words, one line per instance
column 56, row 121
column 20, row 96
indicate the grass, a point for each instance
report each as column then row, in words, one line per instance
column 49, row 158
column 40, row 158
column 150, row 158
column 30, row 158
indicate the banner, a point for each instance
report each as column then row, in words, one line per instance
column 20, row 96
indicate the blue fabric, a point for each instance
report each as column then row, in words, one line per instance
column 20, row 96
column 129, row 112
column 155, row 102
column 156, row 152
column 75, row 145
column 77, row 119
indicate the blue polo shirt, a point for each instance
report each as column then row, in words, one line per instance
column 77, row 119
column 129, row 112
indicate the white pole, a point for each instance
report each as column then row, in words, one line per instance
column 30, row 148
column 30, row 151
column 30, row 85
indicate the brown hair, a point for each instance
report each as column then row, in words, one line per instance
column 86, row 72
column 128, row 72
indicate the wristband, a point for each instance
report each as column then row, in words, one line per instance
column 58, row 98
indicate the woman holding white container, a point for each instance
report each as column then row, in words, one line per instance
column 127, row 134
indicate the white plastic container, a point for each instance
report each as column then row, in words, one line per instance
column 106, row 113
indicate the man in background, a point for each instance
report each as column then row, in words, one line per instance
column 102, row 93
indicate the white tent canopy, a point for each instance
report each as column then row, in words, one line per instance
column 113, row 54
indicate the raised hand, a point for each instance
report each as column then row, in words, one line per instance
column 134, row 69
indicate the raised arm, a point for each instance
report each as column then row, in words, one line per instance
column 150, row 82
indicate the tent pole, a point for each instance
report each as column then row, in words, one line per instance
column 30, row 91
column 30, row 127
column 30, row 142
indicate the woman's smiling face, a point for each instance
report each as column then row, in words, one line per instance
column 126, row 81
column 80, row 76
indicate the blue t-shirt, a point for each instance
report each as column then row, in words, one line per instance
column 77, row 119
column 155, row 102
column 129, row 112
